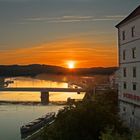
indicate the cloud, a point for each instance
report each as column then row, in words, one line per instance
column 59, row 19
column 86, row 53
column 116, row 16
column 73, row 19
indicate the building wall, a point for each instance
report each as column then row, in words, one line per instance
column 128, row 51
column 129, row 81
column 130, row 114
column 129, row 98
column 127, row 28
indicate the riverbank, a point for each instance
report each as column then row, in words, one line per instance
column 37, row 103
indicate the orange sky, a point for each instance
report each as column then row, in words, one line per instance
column 55, row 32
column 85, row 53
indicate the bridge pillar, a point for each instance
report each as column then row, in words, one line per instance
column 44, row 98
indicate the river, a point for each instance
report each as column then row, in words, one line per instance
column 12, row 116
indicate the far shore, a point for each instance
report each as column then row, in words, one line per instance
column 31, row 103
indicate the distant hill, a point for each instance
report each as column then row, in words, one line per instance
column 35, row 69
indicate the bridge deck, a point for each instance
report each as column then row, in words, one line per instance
column 28, row 89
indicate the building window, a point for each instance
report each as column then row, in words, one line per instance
column 133, row 52
column 123, row 35
column 124, row 72
column 124, row 109
column 134, row 72
column 134, row 86
column 124, row 54
column 124, row 85
column 133, row 31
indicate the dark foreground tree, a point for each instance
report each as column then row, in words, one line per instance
column 86, row 121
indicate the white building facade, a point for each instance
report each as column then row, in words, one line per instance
column 129, row 68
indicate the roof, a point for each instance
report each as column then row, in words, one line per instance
column 134, row 14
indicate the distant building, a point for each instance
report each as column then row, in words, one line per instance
column 129, row 68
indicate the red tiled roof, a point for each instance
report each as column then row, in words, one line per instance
column 135, row 13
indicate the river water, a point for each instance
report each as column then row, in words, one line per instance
column 45, row 81
column 12, row 116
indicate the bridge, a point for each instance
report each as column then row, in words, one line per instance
column 44, row 91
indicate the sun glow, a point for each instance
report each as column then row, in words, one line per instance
column 71, row 64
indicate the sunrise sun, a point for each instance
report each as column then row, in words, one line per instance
column 71, row 64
